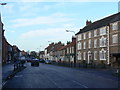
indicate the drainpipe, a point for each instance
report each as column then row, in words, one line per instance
column 108, row 36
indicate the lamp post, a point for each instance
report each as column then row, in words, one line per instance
column 70, row 31
column 3, row 3
column 74, row 47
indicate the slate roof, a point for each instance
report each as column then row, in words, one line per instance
column 62, row 48
column 100, row 23
column 69, row 45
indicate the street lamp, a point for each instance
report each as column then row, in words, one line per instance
column 70, row 31
column 74, row 37
column 3, row 3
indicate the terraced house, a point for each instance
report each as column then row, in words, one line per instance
column 97, row 41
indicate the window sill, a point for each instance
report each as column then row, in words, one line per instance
column 102, row 59
column 103, row 46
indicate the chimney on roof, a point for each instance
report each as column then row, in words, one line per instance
column 59, row 42
column 68, row 42
column 88, row 22
column 73, row 39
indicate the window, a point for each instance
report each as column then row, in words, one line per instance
column 84, row 35
column 72, row 49
column 95, row 33
column 84, row 55
column 103, row 42
column 89, row 44
column 79, row 55
column 84, row 45
column 114, row 26
column 89, row 35
column 95, row 55
column 115, row 38
column 79, row 45
column 79, row 37
column 103, row 31
column 102, row 54
column 67, row 50
column 95, row 43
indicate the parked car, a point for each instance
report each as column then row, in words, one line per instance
column 42, row 60
column 48, row 61
column 35, row 62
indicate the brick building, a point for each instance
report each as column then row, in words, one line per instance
column 71, row 51
column 51, row 52
column 97, row 40
column 6, row 49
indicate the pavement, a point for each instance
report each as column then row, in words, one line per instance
column 7, row 69
column 8, row 72
column 52, row 76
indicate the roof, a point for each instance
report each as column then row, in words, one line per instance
column 100, row 23
column 63, row 47
column 69, row 45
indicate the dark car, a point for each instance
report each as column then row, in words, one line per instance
column 34, row 62
column 42, row 60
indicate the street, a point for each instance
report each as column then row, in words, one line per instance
column 51, row 76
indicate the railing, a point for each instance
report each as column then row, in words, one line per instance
column 19, row 64
column 80, row 65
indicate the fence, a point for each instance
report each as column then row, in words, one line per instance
column 80, row 65
column 19, row 64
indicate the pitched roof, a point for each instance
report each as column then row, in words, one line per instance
column 100, row 23
column 71, row 44
column 63, row 47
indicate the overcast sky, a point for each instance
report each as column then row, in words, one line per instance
column 30, row 25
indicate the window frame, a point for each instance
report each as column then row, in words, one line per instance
column 89, row 43
column 95, row 43
column 102, row 52
column 103, row 31
column 103, row 41
column 115, row 38
column 95, row 55
column 115, row 26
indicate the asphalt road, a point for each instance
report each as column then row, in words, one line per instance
column 51, row 76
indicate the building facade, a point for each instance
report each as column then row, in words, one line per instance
column 97, row 40
column 1, row 30
column 70, row 53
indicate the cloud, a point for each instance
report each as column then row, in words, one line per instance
column 9, row 8
column 40, row 20
column 12, row 31
column 58, row 14
column 61, row 0
column 53, row 32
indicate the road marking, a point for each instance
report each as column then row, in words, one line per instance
column 4, row 83
column 18, row 75
column 80, row 84
column 53, row 82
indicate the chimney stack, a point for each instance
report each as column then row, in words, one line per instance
column 73, row 39
column 88, row 22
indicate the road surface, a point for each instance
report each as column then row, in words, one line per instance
column 51, row 76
